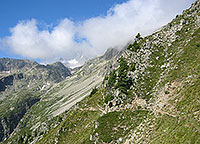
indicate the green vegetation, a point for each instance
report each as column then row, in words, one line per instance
column 75, row 128
column 94, row 91
column 105, row 78
column 115, row 125
column 184, row 126
column 124, row 82
column 24, row 99
column 13, row 110
column 123, row 69
column 134, row 47
column 138, row 36
column 108, row 98
column 77, row 124
column 112, row 78
column 167, row 92
column 132, row 67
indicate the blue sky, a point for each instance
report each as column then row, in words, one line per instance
column 48, row 11
column 47, row 30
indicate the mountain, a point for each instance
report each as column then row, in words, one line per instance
column 21, row 84
column 78, row 61
column 7, row 64
column 146, row 93
column 47, row 91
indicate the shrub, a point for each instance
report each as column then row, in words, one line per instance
column 122, row 75
column 123, row 69
column 94, row 91
column 132, row 67
column 112, row 78
column 108, row 98
column 130, row 46
column 134, row 47
column 138, row 36
column 59, row 119
column 166, row 92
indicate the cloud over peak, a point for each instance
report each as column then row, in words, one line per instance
column 93, row 36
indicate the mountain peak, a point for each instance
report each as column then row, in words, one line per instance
column 110, row 53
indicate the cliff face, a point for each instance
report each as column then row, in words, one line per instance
column 146, row 93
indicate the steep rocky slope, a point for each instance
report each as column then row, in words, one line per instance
column 150, row 95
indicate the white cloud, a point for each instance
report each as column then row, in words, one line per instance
column 92, row 36
column 74, row 63
column 27, row 40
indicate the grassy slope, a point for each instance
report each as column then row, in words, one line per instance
column 185, row 127
column 176, row 122
column 79, row 123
